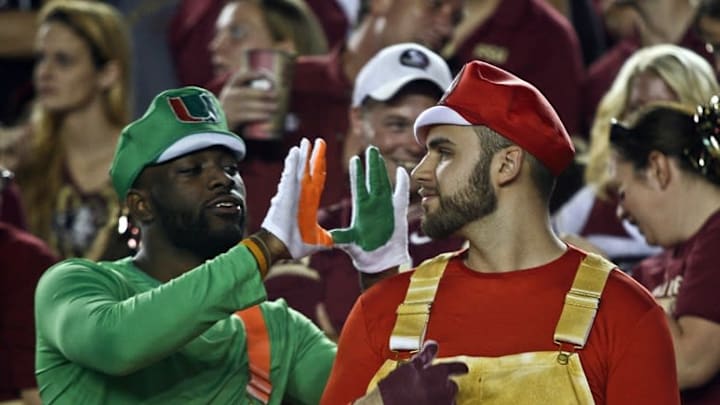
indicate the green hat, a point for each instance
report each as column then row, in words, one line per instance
column 178, row 122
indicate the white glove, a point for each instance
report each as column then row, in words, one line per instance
column 377, row 238
column 292, row 216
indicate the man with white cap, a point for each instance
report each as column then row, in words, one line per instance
column 533, row 319
column 390, row 91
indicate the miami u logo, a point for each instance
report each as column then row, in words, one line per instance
column 194, row 108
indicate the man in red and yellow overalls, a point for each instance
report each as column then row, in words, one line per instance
column 519, row 317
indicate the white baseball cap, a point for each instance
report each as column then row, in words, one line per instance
column 394, row 67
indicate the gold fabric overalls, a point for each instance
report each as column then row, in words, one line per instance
column 546, row 377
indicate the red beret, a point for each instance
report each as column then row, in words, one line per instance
column 483, row 94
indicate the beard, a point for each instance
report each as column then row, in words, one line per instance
column 474, row 201
column 192, row 232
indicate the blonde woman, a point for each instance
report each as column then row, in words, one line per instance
column 657, row 73
column 81, row 79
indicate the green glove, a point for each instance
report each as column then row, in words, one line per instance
column 377, row 238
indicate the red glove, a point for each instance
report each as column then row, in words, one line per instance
column 418, row 382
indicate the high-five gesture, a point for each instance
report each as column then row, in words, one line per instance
column 377, row 237
column 292, row 216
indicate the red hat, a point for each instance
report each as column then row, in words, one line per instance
column 483, row 94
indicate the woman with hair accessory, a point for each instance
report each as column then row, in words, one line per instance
column 662, row 72
column 82, row 79
column 665, row 164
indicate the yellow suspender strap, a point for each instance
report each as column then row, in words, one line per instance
column 258, row 349
column 413, row 314
column 581, row 303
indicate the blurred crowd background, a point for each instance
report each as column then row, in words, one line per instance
column 74, row 73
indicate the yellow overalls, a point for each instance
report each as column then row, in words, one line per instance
column 547, row 377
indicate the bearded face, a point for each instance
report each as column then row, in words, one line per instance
column 475, row 200
column 199, row 202
column 191, row 230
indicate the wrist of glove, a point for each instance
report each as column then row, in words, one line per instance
column 377, row 238
column 419, row 382
column 292, row 216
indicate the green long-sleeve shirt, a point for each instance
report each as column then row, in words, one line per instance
column 107, row 333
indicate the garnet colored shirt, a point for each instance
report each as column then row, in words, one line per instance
column 533, row 41
column 686, row 281
column 11, row 210
column 23, row 259
column 191, row 31
column 333, row 20
column 628, row 358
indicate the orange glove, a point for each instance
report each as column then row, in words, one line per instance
column 292, row 216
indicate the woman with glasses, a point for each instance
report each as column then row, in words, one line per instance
column 665, row 165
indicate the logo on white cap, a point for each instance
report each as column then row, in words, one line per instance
column 394, row 67
column 414, row 58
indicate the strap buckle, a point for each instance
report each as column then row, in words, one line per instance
column 399, row 361
column 565, row 350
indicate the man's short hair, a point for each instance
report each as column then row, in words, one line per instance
column 492, row 142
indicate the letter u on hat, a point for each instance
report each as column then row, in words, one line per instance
column 178, row 122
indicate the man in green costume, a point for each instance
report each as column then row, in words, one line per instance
column 159, row 327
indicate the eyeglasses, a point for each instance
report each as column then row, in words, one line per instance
column 704, row 155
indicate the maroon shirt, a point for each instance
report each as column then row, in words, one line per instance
column 532, row 40
column 333, row 20
column 191, row 31
column 686, row 281
column 23, row 259
column 11, row 210
column 338, row 286
column 603, row 220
